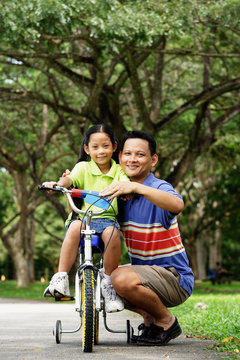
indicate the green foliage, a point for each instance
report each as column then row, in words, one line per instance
column 5, row 195
column 114, row 22
column 48, row 239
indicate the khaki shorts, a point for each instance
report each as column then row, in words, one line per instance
column 164, row 282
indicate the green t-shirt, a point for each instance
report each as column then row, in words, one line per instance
column 86, row 175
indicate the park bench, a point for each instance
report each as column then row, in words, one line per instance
column 225, row 277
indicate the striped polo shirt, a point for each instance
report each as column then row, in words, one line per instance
column 152, row 234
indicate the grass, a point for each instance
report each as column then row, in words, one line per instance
column 9, row 289
column 220, row 321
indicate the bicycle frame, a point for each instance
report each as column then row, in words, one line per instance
column 86, row 262
column 88, row 255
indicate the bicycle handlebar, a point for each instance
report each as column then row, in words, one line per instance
column 78, row 193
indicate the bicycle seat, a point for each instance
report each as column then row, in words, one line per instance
column 97, row 245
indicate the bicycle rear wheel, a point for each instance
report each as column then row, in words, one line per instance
column 88, row 307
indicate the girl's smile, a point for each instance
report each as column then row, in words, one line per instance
column 100, row 149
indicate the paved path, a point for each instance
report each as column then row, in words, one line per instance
column 26, row 333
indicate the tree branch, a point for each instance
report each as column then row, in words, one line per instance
column 58, row 240
column 28, row 96
column 157, row 84
column 183, row 52
column 79, row 80
column 44, row 56
column 137, row 89
column 201, row 141
column 202, row 97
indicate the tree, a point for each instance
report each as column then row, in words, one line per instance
column 127, row 63
column 26, row 154
column 212, row 190
column 223, row 205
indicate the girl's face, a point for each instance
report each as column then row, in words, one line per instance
column 100, row 149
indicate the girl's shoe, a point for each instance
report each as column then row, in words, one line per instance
column 59, row 286
column 113, row 301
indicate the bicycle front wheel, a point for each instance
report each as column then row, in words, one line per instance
column 96, row 328
column 88, row 307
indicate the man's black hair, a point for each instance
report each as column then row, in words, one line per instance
column 139, row 134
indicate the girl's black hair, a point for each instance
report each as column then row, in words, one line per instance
column 83, row 156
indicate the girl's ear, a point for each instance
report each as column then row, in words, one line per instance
column 115, row 146
column 86, row 149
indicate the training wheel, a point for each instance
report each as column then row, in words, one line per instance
column 129, row 331
column 57, row 331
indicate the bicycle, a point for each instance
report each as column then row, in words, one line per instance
column 89, row 301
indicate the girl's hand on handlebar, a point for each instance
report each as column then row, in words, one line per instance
column 49, row 184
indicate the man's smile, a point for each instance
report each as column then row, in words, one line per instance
column 132, row 167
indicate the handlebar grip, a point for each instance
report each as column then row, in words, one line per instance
column 42, row 188
column 45, row 188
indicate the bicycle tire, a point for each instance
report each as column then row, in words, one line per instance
column 58, row 331
column 96, row 328
column 88, row 307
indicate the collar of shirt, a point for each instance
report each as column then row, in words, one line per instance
column 96, row 171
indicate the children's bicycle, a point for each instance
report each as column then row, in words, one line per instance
column 89, row 301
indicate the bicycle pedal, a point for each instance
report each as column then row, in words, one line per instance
column 65, row 298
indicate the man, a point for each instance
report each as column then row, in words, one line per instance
column 159, row 276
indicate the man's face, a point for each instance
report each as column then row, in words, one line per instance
column 136, row 159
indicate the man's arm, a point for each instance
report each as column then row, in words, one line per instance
column 160, row 198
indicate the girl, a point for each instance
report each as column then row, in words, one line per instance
column 100, row 145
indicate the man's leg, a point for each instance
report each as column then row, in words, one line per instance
column 141, row 299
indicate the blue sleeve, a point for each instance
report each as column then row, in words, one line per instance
column 167, row 217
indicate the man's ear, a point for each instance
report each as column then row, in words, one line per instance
column 86, row 149
column 154, row 159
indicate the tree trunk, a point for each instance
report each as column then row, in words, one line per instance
column 201, row 258
column 31, row 233
column 21, row 265
column 19, row 242
column 22, row 253
column 192, row 255
column 215, row 250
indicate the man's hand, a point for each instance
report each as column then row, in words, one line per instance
column 117, row 189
